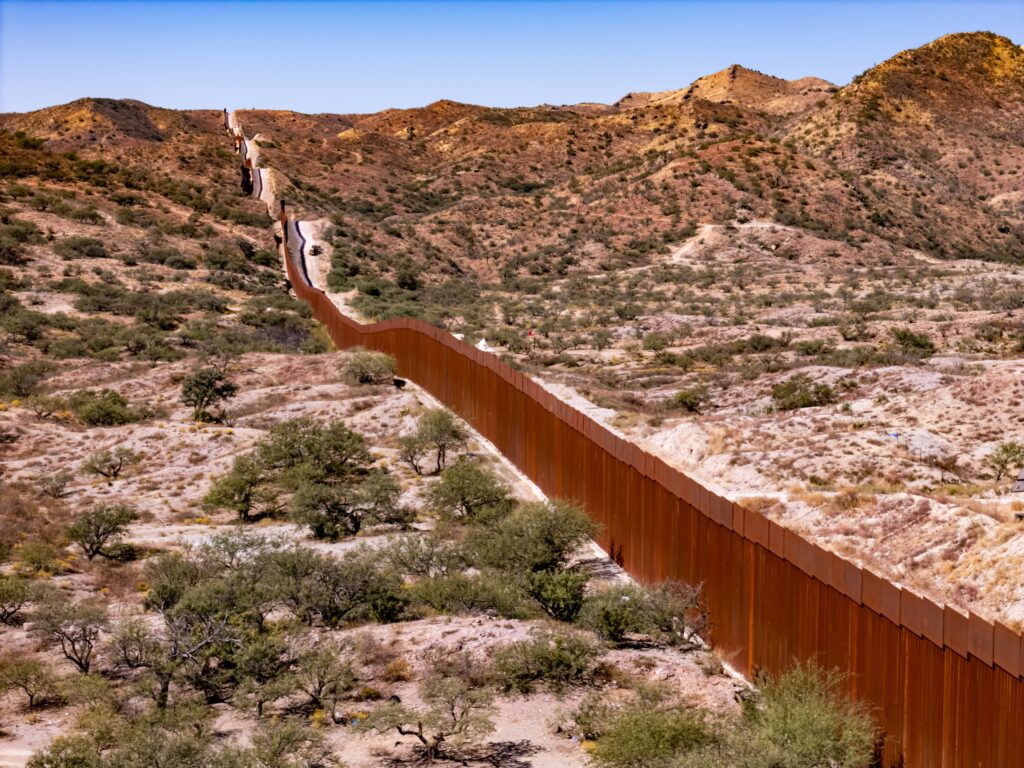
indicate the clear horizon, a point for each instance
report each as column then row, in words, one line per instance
column 357, row 57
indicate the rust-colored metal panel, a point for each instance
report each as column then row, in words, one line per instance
column 799, row 552
column 912, row 612
column 954, row 630
column 755, row 527
column 737, row 515
column 980, row 638
column 821, row 569
column 722, row 510
column 703, row 500
column 1006, row 650
column 777, row 538
column 662, row 473
column 931, row 615
column 846, row 578
column 881, row 596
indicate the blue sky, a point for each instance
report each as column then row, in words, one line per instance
column 365, row 56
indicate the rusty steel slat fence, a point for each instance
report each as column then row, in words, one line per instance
column 946, row 688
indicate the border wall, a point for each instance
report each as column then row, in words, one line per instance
column 946, row 686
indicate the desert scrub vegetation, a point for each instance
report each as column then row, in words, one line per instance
column 205, row 389
column 673, row 613
column 92, row 407
column 111, row 463
column 321, row 475
column 367, row 367
column 100, row 531
column 800, row 391
column 1005, row 457
column 438, row 432
column 799, row 719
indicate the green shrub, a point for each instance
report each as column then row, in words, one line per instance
column 458, row 593
column 295, row 454
column 560, row 593
column 366, row 367
column 469, row 491
column 14, row 594
column 801, row 392
column 357, row 586
column 915, row 344
column 555, row 659
column 168, row 256
column 629, row 311
column 98, row 531
column 205, row 389
column 672, row 613
column 24, row 325
column 24, row 379
column 439, row 430
column 802, row 719
column 30, row 676
column 71, row 248
column 424, row 555
column 36, row 556
column 614, row 612
column 103, row 408
column 14, row 235
column 646, row 733
column 1005, row 457
column 656, row 342
column 336, row 511
column 110, row 464
column 691, row 399
column 539, row 536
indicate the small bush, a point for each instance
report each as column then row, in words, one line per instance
column 23, row 380
column 1005, row 457
column 802, row 718
column 204, row 389
column 110, row 464
column 55, row 485
column 614, row 612
column 655, row 342
column 14, row 234
column 424, row 556
column 691, row 399
column 646, row 733
column 103, row 408
column 536, row 537
column 71, row 248
column 35, row 557
column 366, row 367
column 14, row 594
column 555, row 659
column 30, row 676
column 801, row 392
column 481, row 593
column 916, row 344
column 671, row 613
column 99, row 530
column 469, row 491
column 560, row 593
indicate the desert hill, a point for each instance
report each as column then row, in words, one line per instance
column 747, row 87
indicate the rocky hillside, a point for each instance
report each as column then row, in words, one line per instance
column 922, row 152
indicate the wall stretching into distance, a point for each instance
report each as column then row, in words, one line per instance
column 946, row 686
